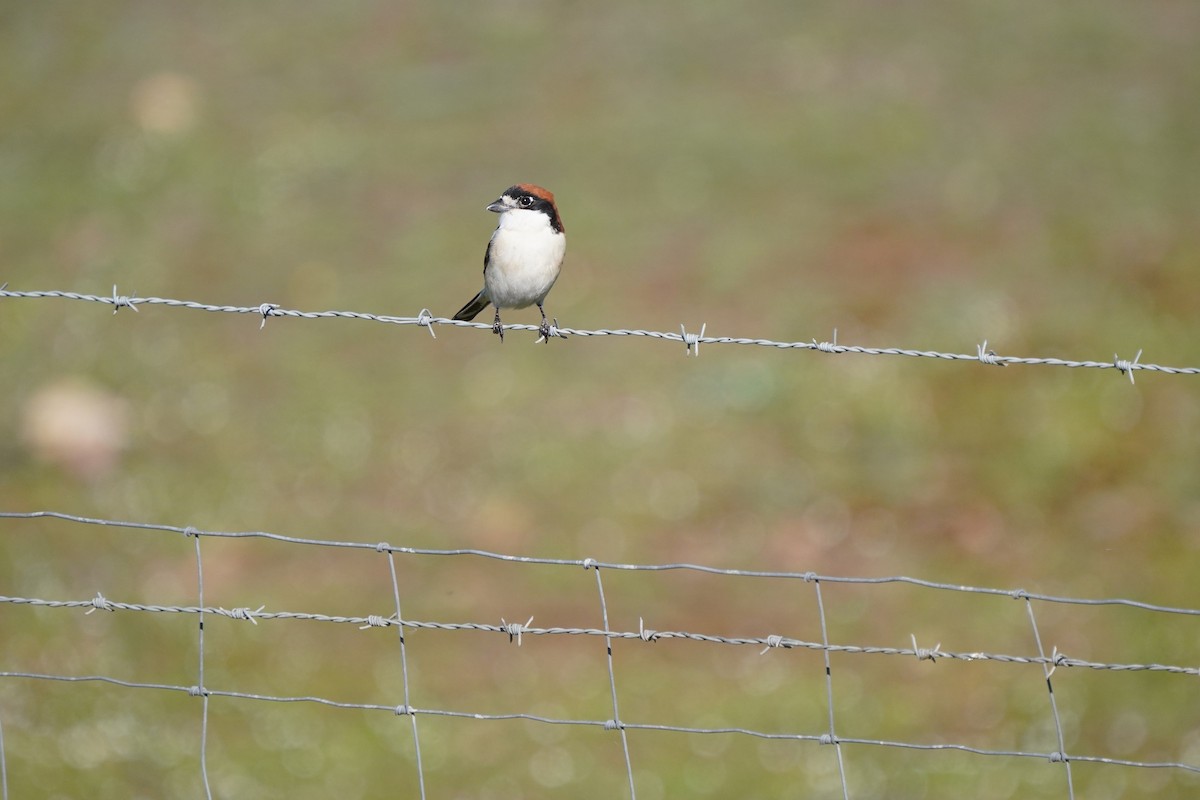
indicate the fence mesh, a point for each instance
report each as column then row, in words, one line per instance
column 836, row 655
column 1048, row 658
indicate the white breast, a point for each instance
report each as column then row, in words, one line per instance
column 526, row 255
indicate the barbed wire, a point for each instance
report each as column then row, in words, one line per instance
column 692, row 341
column 1049, row 661
column 515, row 630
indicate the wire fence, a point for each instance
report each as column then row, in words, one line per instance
column 692, row 341
column 1050, row 661
column 1046, row 657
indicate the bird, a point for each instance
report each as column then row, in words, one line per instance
column 523, row 258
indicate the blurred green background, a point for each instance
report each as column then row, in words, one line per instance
column 923, row 175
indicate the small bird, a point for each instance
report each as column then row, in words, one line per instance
column 523, row 257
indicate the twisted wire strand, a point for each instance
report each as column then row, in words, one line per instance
column 691, row 341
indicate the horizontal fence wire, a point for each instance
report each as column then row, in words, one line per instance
column 691, row 341
column 515, row 632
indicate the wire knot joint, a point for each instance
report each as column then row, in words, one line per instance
column 924, row 654
column 99, row 603
column 988, row 357
column 425, row 319
column 827, row 347
column 1127, row 367
column 244, row 613
column 266, row 309
column 692, row 340
column 774, row 640
column 120, row 301
column 515, row 629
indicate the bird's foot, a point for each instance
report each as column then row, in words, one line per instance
column 546, row 330
column 498, row 329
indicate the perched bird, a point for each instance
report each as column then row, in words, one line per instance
column 523, row 257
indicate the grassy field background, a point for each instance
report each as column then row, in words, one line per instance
column 924, row 175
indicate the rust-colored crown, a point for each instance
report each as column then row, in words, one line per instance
column 545, row 199
column 536, row 191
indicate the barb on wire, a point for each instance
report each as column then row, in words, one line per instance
column 1127, row 367
column 691, row 341
column 989, row 357
column 123, row 301
column 426, row 318
column 927, row 654
column 266, row 309
column 515, row 629
column 827, row 347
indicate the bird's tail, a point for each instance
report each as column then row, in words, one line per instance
column 471, row 310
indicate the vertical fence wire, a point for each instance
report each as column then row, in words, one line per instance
column 3, row 766
column 1048, row 670
column 200, row 690
column 833, row 737
column 404, row 670
column 612, row 679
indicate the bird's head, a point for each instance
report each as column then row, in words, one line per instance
column 527, row 198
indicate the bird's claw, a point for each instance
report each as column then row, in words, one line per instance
column 498, row 329
column 546, row 330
